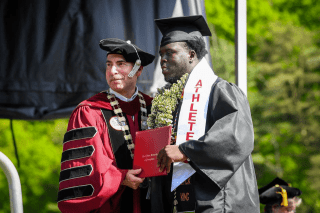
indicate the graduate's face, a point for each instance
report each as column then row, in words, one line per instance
column 174, row 61
column 291, row 208
column 117, row 75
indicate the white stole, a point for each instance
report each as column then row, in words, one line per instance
column 193, row 115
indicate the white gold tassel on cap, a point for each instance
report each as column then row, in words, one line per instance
column 136, row 65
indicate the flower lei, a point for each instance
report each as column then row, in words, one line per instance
column 165, row 103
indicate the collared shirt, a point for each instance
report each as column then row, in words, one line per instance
column 122, row 98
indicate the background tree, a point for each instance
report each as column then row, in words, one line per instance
column 39, row 147
column 286, row 108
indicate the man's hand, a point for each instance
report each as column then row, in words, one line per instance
column 131, row 179
column 169, row 154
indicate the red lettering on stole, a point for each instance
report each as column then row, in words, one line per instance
column 195, row 97
column 193, row 111
column 191, row 125
column 191, row 108
column 189, row 135
column 192, row 116
column 184, row 196
column 199, row 83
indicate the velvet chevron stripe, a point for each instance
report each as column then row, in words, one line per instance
column 80, row 133
column 75, row 192
column 77, row 153
column 75, row 172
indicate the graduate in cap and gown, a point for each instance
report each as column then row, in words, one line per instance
column 96, row 165
column 279, row 197
column 209, row 162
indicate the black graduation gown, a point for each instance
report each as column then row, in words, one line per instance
column 225, row 179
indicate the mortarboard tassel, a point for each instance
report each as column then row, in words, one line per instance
column 284, row 196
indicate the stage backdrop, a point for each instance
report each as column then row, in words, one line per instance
column 50, row 58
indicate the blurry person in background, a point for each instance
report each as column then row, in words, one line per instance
column 279, row 197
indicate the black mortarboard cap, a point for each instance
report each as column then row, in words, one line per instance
column 269, row 194
column 184, row 28
column 128, row 50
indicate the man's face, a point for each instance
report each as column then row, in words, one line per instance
column 117, row 75
column 174, row 61
column 291, row 208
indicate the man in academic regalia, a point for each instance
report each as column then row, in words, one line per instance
column 96, row 165
column 279, row 197
column 210, row 165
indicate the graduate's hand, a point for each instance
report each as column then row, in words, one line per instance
column 168, row 155
column 132, row 180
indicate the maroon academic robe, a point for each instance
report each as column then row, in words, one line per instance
column 90, row 180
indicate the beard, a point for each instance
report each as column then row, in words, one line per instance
column 175, row 71
column 172, row 80
column 175, row 76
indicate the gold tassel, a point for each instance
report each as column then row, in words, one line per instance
column 284, row 196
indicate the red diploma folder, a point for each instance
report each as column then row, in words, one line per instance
column 148, row 143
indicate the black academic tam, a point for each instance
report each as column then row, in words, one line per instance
column 129, row 51
column 184, row 28
column 270, row 194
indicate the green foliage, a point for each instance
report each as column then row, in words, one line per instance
column 259, row 15
column 221, row 14
column 39, row 147
column 304, row 12
column 222, row 53
column 286, row 110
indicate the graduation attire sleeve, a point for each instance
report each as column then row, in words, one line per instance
column 225, row 178
column 89, row 177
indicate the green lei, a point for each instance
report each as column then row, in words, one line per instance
column 164, row 104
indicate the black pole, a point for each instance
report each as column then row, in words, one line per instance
column 14, row 143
